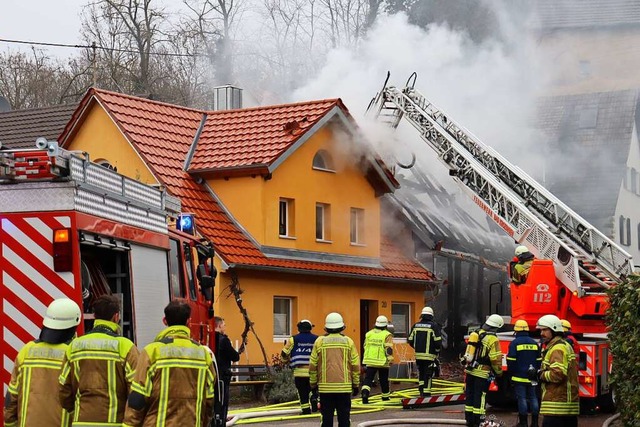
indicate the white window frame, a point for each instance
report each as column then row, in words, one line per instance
column 356, row 227
column 288, row 316
column 325, row 237
column 326, row 159
column 398, row 334
column 289, row 205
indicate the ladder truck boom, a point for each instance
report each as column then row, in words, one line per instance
column 585, row 260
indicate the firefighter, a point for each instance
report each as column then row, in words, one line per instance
column 98, row 369
column 225, row 354
column 174, row 380
column 426, row 339
column 481, row 368
column 378, row 356
column 30, row 400
column 523, row 362
column 520, row 269
column 558, row 376
column 298, row 351
column 569, row 337
column 334, row 369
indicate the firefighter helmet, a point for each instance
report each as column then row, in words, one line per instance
column 334, row 321
column 61, row 314
column 427, row 310
column 521, row 249
column 550, row 321
column 521, row 325
column 495, row 320
column 382, row 321
column 566, row 325
column 305, row 325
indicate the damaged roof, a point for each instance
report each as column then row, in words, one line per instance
column 592, row 134
column 20, row 128
column 163, row 135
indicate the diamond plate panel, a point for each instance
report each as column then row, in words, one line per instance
column 41, row 196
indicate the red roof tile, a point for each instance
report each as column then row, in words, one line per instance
column 163, row 135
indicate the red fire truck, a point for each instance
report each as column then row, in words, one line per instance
column 575, row 263
column 72, row 228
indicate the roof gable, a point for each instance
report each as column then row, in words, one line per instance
column 563, row 14
column 164, row 134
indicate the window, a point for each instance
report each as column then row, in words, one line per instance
column 323, row 161
column 281, row 316
column 585, row 68
column 188, row 267
column 633, row 181
column 323, row 221
column 357, row 226
column 286, row 218
column 400, row 317
column 625, row 230
column 177, row 290
column 587, row 117
column 106, row 164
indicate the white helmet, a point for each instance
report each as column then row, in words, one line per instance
column 495, row 320
column 521, row 249
column 334, row 321
column 550, row 321
column 427, row 310
column 382, row 321
column 62, row 313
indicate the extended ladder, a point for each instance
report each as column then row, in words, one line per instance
column 585, row 259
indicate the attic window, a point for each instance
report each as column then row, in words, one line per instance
column 106, row 164
column 323, row 161
column 587, row 117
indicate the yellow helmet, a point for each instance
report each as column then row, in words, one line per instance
column 566, row 325
column 521, row 325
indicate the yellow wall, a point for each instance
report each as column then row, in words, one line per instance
column 314, row 298
column 295, row 179
column 99, row 136
column 610, row 64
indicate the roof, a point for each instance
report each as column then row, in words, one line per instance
column 592, row 134
column 563, row 14
column 163, row 135
column 20, row 128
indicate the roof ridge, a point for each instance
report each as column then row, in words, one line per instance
column 333, row 101
column 97, row 91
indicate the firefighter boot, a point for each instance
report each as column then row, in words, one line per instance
column 313, row 400
column 522, row 421
column 534, row 420
column 421, row 390
column 365, row 397
column 306, row 411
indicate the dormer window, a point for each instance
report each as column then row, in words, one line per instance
column 106, row 164
column 323, row 161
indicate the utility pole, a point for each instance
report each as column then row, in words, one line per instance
column 94, row 65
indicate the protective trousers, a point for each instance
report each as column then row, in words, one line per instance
column 425, row 376
column 383, row 375
column 338, row 402
column 476, row 391
column 304, row 389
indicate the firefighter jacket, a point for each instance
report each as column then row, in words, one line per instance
column 31, row 400
column 298, row 351
column 378, row 348
column 96, row 376
column 173, row 384
column 426, row 339
column 559, row 379
column 521, row 271
column 487, row 357
column 573, row 342
column 334, row 365
column 523, row 352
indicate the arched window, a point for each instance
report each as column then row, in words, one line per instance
column 106, row 164
column 323, row 161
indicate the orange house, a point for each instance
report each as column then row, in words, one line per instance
column 290, row 201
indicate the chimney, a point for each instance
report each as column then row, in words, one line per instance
column 226, row 97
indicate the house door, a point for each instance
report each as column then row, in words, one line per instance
column 368, row 314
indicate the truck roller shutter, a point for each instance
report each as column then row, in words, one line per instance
column 150, row 291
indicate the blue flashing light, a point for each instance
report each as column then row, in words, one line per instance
column 186, row 223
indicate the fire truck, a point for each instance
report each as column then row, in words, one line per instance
column 73, row 228
column 575, row 263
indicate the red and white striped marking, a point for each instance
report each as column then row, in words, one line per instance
column 443, row 399
column 27, row 280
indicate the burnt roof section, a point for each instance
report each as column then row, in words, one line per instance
column 20, row 128
column 591, row 134
column 591, row 14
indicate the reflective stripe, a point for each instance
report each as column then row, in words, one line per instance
column 163, row 400
column 522, row 347
column 199, row 398
column 92, row 424
column 113, row 392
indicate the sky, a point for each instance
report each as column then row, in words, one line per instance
column 50, row 21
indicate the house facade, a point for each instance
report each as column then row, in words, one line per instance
column 288, row 197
